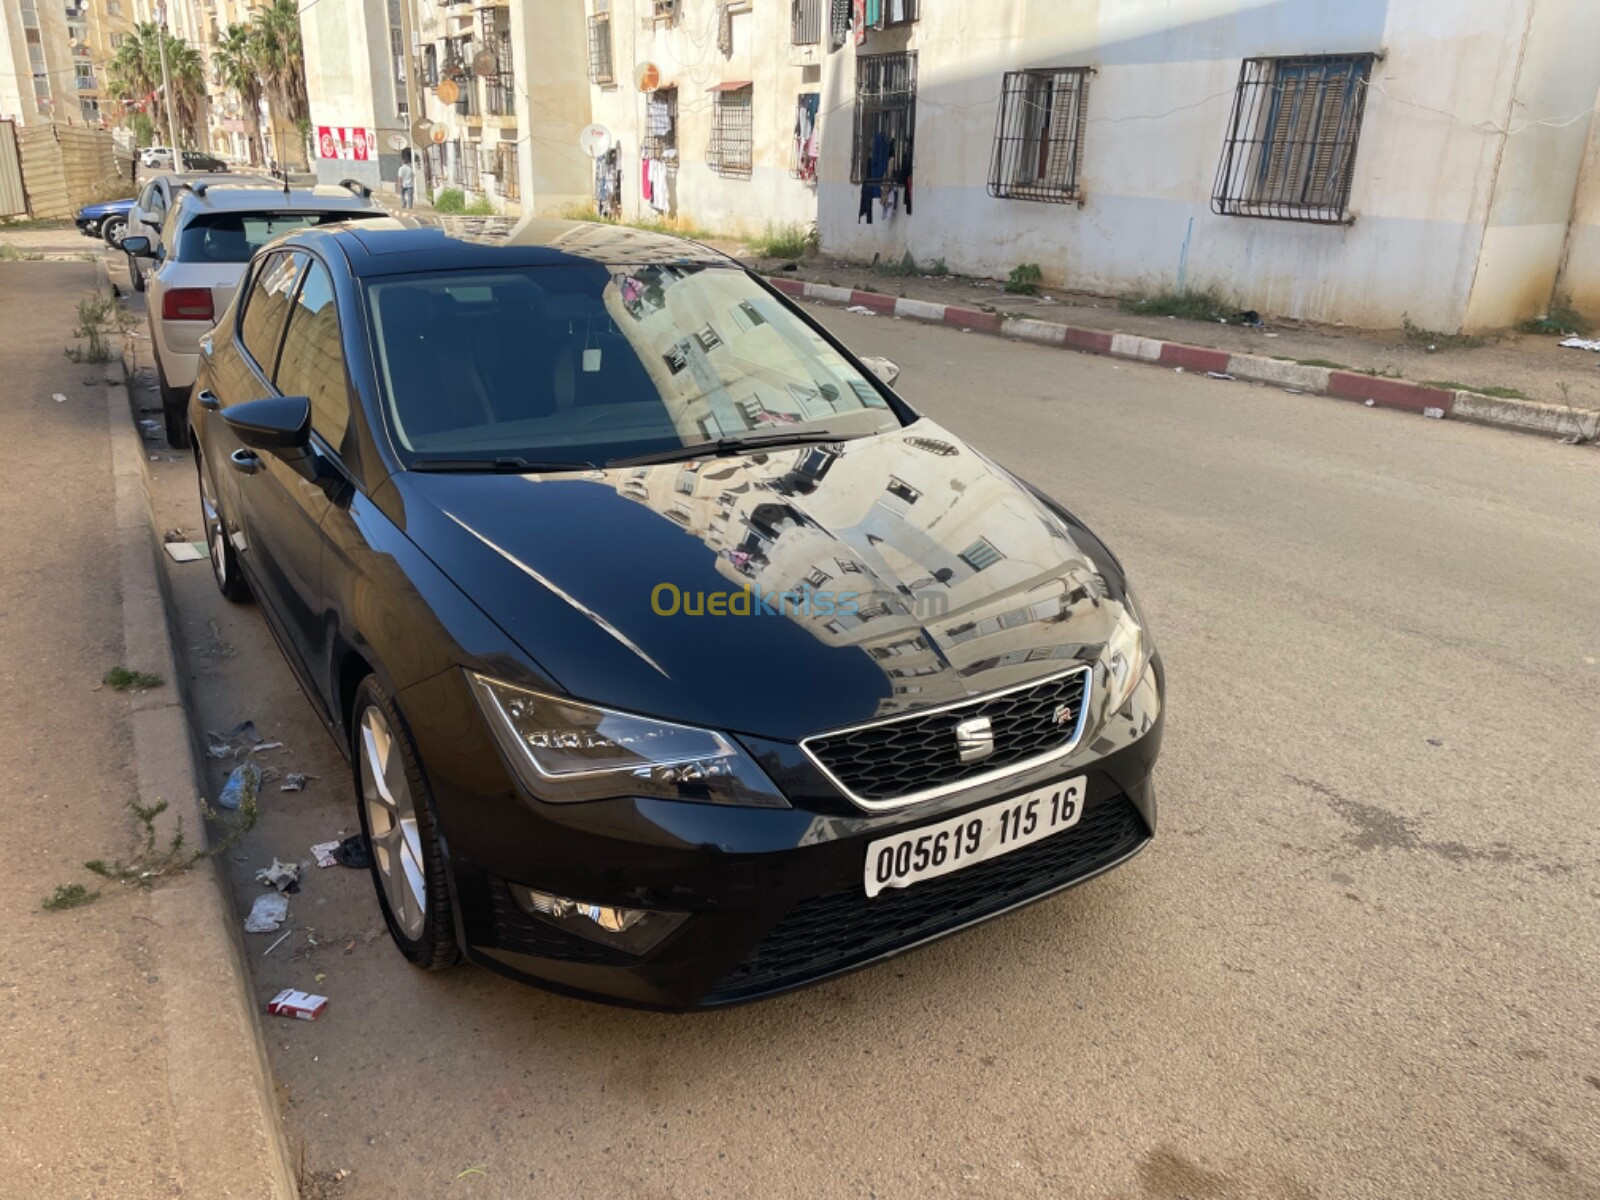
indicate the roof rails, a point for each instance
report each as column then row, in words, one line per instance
column 198, row 186
column 357, row 187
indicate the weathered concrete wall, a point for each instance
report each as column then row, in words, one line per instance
column 348, row 79
column 1579, row 282
column 687, row 56
column 1158, row 113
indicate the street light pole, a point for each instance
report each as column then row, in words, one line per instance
column 166, row 87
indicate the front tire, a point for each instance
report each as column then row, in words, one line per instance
column 397, row 816
column 112, row 230
column 224, row 562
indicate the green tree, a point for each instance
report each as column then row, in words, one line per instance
column 238, row 70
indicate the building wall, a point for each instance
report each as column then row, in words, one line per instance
column 349, row 82
column 53, row 57
column 553, row 105
column 1579, row 281
column 686, row 53
column 1426, row 186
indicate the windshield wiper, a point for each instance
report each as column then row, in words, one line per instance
column 723, row 447
column 505, row 465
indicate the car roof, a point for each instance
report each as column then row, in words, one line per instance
column 176, row 179
column 254, row 195
column 397, row 246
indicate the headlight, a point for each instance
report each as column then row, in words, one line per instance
column 1127, row 654
column 566, row 751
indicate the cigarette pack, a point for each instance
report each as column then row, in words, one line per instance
column 302, row 1006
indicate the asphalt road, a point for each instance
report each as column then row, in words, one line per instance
column 1360, row 959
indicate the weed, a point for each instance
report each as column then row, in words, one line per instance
column 781, row 241
column 120, row 679
column 96, row 313
column 938, row 267
column 1499, row 393
column 1432, row 340
column 1025, row 279
column 1566, row 391
column 9, row 253
column 69, row 895
column 450, row 200
column 479, row 208
column 1561, row 320
column 579, row 210
column 674, row 227
column 1322, row 362
column 1202, row 304
column 906, row 266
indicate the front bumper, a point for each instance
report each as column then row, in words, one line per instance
column 89, row 226
column 775, row 897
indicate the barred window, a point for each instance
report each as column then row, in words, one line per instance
column 886, row 117
column 663, row 10
column 732, row 148
column 1291, row 146
column 600, row 70
column 805, row 22
column 1038, row 141
column 508, row 171
column 661, row 126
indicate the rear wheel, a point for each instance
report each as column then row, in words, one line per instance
column 408, row 866
column 113, row 229
column 224, row 562
column 174, row 410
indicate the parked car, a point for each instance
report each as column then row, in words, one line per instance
column 209, row 236
column 149, row 212
column 108, row 221
column 679, row 660
column 156, row 156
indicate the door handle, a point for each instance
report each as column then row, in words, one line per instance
column 208, row 400
column 246, row 462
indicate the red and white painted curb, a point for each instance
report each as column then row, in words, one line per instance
column 1530, row 416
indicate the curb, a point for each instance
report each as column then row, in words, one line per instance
column 228, row 1136
column 1524, row 416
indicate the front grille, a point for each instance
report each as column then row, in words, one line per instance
column 899, row 758
column 830, row 933
column 516, row 931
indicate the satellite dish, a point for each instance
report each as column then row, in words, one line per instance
column 420, row 129
column 397, row 141
column 647, row 77
column 448, row 91
column 483, row 63
column 595, row 140
column 438, row 134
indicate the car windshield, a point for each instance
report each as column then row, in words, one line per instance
column 583, row 365
column 235, row 237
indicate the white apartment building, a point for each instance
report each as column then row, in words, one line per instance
column 53, row 55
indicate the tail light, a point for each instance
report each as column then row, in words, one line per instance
column 186, row 304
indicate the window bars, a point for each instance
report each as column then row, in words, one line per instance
column 805, row 22
column 1038, row 141
column 600, row 69
column 661, row 126
column 1291, row 147
column 886, row 117
column 507, row 170
column 732, row 149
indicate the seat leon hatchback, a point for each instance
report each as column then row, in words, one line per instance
column 679, row 660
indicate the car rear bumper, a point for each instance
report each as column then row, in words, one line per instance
column 774, row 898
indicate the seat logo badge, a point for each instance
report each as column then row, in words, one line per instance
column 1063, row 714
column 974, row 739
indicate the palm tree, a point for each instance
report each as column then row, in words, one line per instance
column 280, row 61
column 234, row 57
column 135, row 73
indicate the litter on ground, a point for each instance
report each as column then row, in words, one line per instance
column 244, row 781
column 326, row 853
column 268, row 913
column 1578, row 343
column 293, row 781
column 186, row 551
column 862, row 309
column 281, row 875
column 241, row 739
column 1218, row 375
column 302, row 1006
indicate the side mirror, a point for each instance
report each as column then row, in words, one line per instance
column 882, row 368
column 279, row 425
column 138, row 245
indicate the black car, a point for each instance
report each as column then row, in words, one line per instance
column 679, row 660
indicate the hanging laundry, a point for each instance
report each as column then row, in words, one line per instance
column 660, row 199
column 890, row 201
column 839, row 22
column 805, row 136
column 724, row 28
column 859, row 20
column 658, row 118
column 874, row 14
column 644, row 178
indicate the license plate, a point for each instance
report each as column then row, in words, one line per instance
column 974, row 837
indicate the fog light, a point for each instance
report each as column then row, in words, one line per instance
column 633, row 930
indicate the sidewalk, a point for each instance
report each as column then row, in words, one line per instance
column 127, row 1058
column 1520, row 366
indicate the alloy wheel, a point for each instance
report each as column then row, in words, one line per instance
column 216, row 535
column 392, row 824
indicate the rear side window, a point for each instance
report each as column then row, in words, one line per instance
column 312, row 362
column 235, row 237
column 261, row 327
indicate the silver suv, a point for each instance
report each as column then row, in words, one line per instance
column 206, row 242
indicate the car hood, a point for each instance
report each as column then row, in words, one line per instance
column 877, row 576
column 122, row 207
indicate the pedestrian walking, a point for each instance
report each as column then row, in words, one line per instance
column 408, row 181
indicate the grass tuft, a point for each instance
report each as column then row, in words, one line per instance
column 1025, row 279
column 938, row 267
column 69, row 895
column 781, row 241
column 450, row 200
column 1561, row 320
column 905, row 267
column 1499, row 393
column 1195, row 304
column 1322, row 362
column 120, row 679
